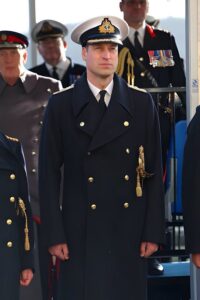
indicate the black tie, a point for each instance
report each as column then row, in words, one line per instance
column 102, row 103
column 137, row 44
column 55, row 74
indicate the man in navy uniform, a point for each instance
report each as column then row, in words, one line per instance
column 191, row 188
column 49, row 36
column 24, row 96
column 106, row 136
column 149, row 58
column 16, row 226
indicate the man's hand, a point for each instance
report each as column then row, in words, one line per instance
column 26, row 277
column 61, row 251
column 196, row 259
column 147, row 249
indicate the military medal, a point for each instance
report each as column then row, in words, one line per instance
column 161, row 58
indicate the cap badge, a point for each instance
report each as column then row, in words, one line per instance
column 3, row 37
column 106, row 26
column 46, row 27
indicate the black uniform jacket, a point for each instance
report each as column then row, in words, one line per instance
column 191, row 185
column 156, row 39
column 102, row 220
column 21, row 113
column 13, row 256
column 73, row 72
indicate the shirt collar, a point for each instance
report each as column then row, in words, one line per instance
column 141, row 33
column 96, row 91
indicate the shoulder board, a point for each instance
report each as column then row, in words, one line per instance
column 12, row 138
column 64, row 89
column 137, row 88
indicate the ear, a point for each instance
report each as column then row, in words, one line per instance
column 25, row 56
column 84, row 53
column 65, row 44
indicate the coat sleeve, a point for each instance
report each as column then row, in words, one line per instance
column 191, row 185
column 27, row 260
column 50, row 163
column 154, row 225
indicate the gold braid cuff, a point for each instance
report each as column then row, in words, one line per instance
column 126, row 58
column 141, row 172
column 26, row 230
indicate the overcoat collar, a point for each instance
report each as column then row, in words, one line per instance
column 117, row 119
column 28, row 79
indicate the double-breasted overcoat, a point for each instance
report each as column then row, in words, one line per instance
column 102, row 220
column 13, row 256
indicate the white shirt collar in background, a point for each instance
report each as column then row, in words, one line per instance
column 141, row 33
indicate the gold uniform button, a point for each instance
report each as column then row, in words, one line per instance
column 126, row 177
column 41, row 122
column 33, row 153
column 89, row 153
column 12, row 176
column 93, row 206
column 126, row 123
column 127, row 151
column 82, row 124
column 35, row 140
column 9, row 244
column 33, row 170
column 90, row 179
column 126, row 204
column 141, row 58
column 12, row 199
column 9, row 221
column 142, row 74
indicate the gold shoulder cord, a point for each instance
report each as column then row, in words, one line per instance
column 126, row 55
column 26, row 231
column 141, row 172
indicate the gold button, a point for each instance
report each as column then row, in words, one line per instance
column 12, row 176
column 93, row 206
column 33, row 153
column 41, row 122
column 90, row 179
column 44, row 105
column 82, row 124
column 12, row 199
column 9, row 221
column 126, row 204
column 89, row 153
column 126, row 123
column 127, row 150
column 141, row 58
column 33, row 170
column 142, row 74
column 35, row 140
column 126, row 177
column 9, row 244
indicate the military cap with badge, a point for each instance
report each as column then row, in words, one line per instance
column 48, row 29
column 103, row 29
column 12, row 39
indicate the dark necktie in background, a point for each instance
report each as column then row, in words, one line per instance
column 137, row 45
column 54, row 73
column 102, row 103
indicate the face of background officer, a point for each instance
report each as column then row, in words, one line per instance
column 101, row 62
column 134, row 11
column 12, row 62
column 52, row 50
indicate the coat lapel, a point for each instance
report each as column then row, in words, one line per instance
column 118, row 118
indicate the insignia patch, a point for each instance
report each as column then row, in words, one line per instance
column 106, row 26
